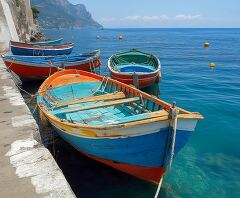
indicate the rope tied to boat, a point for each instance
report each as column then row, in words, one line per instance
column 8, row 69
column 100, row 86
column 93, row 65
column 173, row 127
column 173, row 114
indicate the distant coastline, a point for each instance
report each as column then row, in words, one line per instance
column 57, row 14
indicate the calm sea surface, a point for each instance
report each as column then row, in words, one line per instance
column 209, row 165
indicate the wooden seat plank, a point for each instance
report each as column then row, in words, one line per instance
column 111, row 96
column 104, row 104
column 138, row 117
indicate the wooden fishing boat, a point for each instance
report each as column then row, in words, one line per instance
column 48, row 42
column 115, row 123
column 18, row 48
column 135, row 67
column 40, row 67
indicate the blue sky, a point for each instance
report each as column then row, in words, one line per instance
column 164, row 13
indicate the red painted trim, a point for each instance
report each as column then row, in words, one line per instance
column 144, row 79
column 34, row 71
column 150, row 174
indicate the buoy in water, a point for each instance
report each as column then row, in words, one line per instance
column 212, row 65
column 97, row 37
column 120, row 37
column 206, row 44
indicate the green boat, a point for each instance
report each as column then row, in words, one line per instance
column 135, row 67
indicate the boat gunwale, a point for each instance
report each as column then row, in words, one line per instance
column 185, row 115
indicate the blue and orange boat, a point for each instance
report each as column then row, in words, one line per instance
column 115, row 123
column 19, row 48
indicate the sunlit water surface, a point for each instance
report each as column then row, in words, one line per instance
column 209, row 165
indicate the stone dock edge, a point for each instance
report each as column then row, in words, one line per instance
column 27, row 168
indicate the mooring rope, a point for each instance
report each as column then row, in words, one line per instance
column 159, row 187
column 17, row 84
column 94, row 69
column 175, row 112
column 173, row 123
column 95, row 91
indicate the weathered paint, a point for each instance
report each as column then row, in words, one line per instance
column 142, row 150
column 121, row 137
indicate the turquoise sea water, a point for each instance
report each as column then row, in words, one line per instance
column 209, row 165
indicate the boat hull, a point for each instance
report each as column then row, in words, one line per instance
column 18, row 48
column 141, row 156
column 150, row 174
column 28, row 71
column 40, row 52
column 135, row 68
column 109, row 128
column 144, row 80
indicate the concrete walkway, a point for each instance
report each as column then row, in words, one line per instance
column 27, row 168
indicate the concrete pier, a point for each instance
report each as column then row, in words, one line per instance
column 27, row 168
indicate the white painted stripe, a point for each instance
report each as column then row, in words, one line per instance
column 23, row 120
column 14, row 96
column 187, row 125
column 33, row 161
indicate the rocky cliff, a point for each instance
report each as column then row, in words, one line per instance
column 16, row 21
column 63, row 14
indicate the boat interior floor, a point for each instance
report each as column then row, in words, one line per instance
column 100, row 108
column 130, row 68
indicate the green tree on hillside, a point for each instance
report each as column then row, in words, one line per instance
column 35, row 12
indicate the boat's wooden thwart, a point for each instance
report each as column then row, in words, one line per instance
column 40, row 67
column 134, row 67
column 114, row 123
column 104, row 97
column 104, row 104
column 19, row 48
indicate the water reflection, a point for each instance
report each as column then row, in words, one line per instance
column 154, row 89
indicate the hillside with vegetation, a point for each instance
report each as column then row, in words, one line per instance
column 63, row 14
